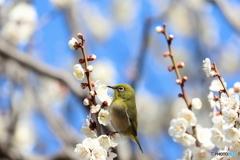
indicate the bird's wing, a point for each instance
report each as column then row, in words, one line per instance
column 132, row 117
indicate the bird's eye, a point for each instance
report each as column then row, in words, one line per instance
column 120, row 89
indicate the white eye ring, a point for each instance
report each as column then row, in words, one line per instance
column 120, row 89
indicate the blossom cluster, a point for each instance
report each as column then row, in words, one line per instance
column 96, row 146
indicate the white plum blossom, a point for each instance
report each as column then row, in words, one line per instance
column 189, row 116
column 196, row 103
column 218, row 122
column 187, row 154
column 178, row 127
column 102, row 90
column 106, row 142
column 207, row 67
column 82, row 151
column 99, row 153
column 73, row 44
column 229, row 116
column 91, row 143
column 186, row 139
column 78, row 72
column 217, row 138
column 104, row 117
column 200, row 154
column 216, row 85
column 212, row 102
column 232, row 134
column 231, row 102
column 203, row 136
column 95, row 109
column 86, row 129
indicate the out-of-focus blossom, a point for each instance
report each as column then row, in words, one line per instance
column 78, row 72
column 177, row 127
column 95, row 109
column 236, row 87
column 21, row 23
column 104, row 117
column 230, row 116
column 231, row 102
column 186, row 139
column 196, row 103
column 218, row 122
column 217, row 138
column 232, row 134
column 212, row 102
column 101, row 90
column 207, row 67
column 63, row 3
column 216, row 85
column 203, row 136
column 200, row 154
column 189, row 116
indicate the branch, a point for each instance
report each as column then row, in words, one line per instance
column 11, row 52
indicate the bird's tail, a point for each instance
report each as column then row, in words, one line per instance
column 135, row 139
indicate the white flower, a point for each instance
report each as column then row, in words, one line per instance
column 82, row 151
column 230, row 117
column 236, row 145
column 200, row 154
column 177, row 127
column 212, row 102
column 216, row 85
column 88, row 132
column 231, row 102
column 104, row 141
column 189, row 116
column 78, row 72
column 102, row 90
column 91, row 143
column 207, row 67
column 90, row 68
column 159, row 29
column 99, row 153
column 196, row 103
column 236, row 87
column 232, row 134
column 203, row 136
column 217, row 138
column 104, row 117
column 95, row 109
column 73, row 44
column 218, row 122
column 186, row 139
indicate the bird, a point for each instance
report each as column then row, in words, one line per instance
column 123, row 112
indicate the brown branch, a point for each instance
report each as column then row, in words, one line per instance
column 11, row 52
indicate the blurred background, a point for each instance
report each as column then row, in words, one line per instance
column 41, row 109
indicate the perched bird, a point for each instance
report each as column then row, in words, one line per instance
column 124, row 112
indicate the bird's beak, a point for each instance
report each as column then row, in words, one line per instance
column 111, row 87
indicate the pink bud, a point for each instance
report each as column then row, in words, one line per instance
column 180, row 65
column 165, row 54
column 81, row 61
column 92, row 93
column 179, row 81
column 86, row 101
column 171, row 37
column 159, row 29
column 170, row 68
column 184, row 79
column 80, row 35
column 236, row 87
column 91, row 57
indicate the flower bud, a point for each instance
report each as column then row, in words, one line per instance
column 86, row 101
column 165, row 54
column 184, row 79
column 170, row 68
column 80, row 35
column 84, row 85
column 159, row 29
column 171, row 37
column 236, row 87
column 196, row 103
column 91, row 57
column 179, row 81
column 90, row 68
column 73, row 44
column 81, row 61
column 92, row 93
column 180, row 65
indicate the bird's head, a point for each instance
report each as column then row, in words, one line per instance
column 123, row 91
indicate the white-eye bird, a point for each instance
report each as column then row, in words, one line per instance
column 124, row 112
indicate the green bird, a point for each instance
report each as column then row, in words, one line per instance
column 124, row 112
